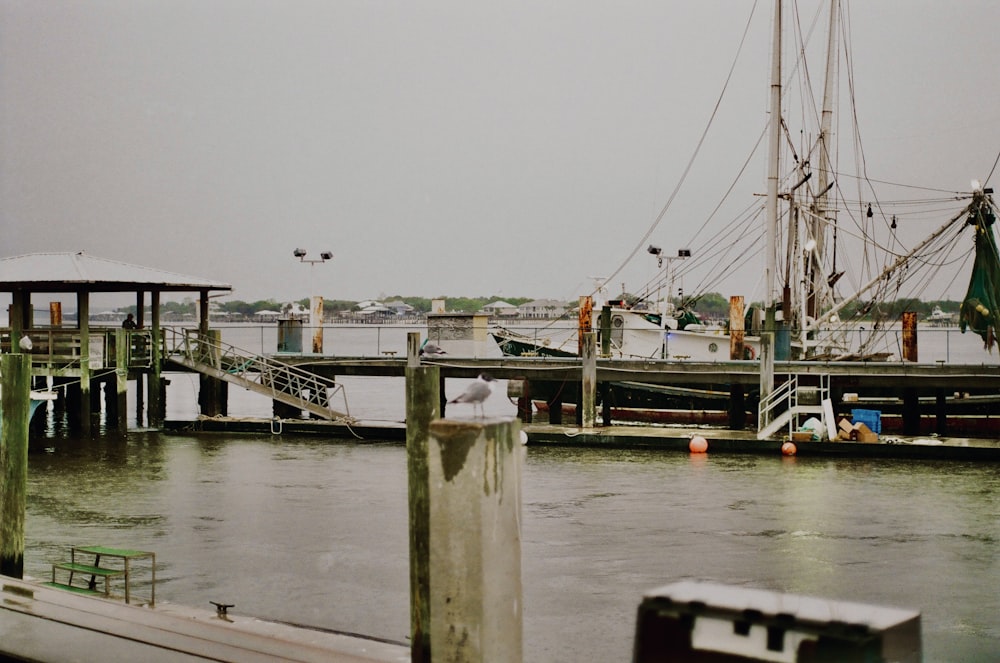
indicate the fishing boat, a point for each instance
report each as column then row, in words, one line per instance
column 939, row 318
column 810, row 257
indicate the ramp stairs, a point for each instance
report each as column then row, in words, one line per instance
column 258, row 373
column 790, row 401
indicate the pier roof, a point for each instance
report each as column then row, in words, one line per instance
column 79, row 272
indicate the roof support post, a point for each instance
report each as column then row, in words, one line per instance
column 83, row 314
column 155, row 411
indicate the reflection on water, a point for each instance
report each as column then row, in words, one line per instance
column 314, row 532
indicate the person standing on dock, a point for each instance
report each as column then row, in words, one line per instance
column 129, row 322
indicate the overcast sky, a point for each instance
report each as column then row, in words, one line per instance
column 438, row 148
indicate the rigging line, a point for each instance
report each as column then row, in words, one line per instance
column 904, row 186
column 694, row 155
column 992, row 169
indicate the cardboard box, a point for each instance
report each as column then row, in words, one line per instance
column 861, row 433
column 802, row 436
column 845, row 428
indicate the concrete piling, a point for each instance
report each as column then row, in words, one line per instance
column 14, row 416
column 474, row 478
column 464, row 488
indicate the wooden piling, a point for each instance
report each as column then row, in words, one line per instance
column 122, row 341
column 16, row 408
column 88, row 362
column 157, row 411
column 586, row 320
column 524, row 407
column 423, row 398
column 55, row 314
column 737, row 397
column 474, row 471
column 588, row 385
column 736, row 327
column 909, row 336
column 212, row 392
column 606, row 331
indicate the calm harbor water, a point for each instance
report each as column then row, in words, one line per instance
column 314, row 531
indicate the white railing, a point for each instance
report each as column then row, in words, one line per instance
column 281, row 381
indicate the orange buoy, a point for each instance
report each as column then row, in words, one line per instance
column 788, row 449
column 698, row 445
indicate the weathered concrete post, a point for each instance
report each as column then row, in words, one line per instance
column 422, row 406
column 588, row 385
column 474, row 478
column 122, row 342
column 16, row 409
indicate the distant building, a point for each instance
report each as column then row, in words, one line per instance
column 399, row 307
column 543, row 308
column 501, row 309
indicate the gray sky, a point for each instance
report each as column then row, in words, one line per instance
column 439, row 148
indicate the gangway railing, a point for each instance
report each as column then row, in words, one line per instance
column 264, row 375
column 787, row 401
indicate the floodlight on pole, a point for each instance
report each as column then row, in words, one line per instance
column 315, row 301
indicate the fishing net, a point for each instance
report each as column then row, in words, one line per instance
column 982, row 301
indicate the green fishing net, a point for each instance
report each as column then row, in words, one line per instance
column 982, row 301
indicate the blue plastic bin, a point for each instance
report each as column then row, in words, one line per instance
column 870, row 418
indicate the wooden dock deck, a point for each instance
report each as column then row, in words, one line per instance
column 38, row 623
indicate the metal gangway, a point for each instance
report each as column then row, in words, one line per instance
column 276, row 380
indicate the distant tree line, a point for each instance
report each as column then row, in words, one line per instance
column 248, row 309
column 711, row 306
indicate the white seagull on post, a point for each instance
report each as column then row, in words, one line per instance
column 431, row 351
column 476, row 393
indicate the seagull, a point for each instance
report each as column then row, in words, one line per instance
column 431, row 350
column 477, row 392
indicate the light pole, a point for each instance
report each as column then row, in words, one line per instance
column 668, row 306
column 315, row 301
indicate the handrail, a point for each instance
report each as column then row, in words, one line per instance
column 244, row 365
column 787, row 395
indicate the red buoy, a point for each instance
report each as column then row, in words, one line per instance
column 698, row 445
column 788, row 449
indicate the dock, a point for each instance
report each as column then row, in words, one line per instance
column 38, row 623
column 673, row 438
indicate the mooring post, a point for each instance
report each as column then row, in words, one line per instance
column 122, row 341
column 909, row 336
column 588, row 385
column 422, row 406
column 737, row 397
column 524, row 401
column 212, row 392
column 15, row 413
column 606, row 330
column 474, row 472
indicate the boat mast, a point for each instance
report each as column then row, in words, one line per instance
column 771, row 266
column 821, row 211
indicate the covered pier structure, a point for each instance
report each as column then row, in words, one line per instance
column 79, row 353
